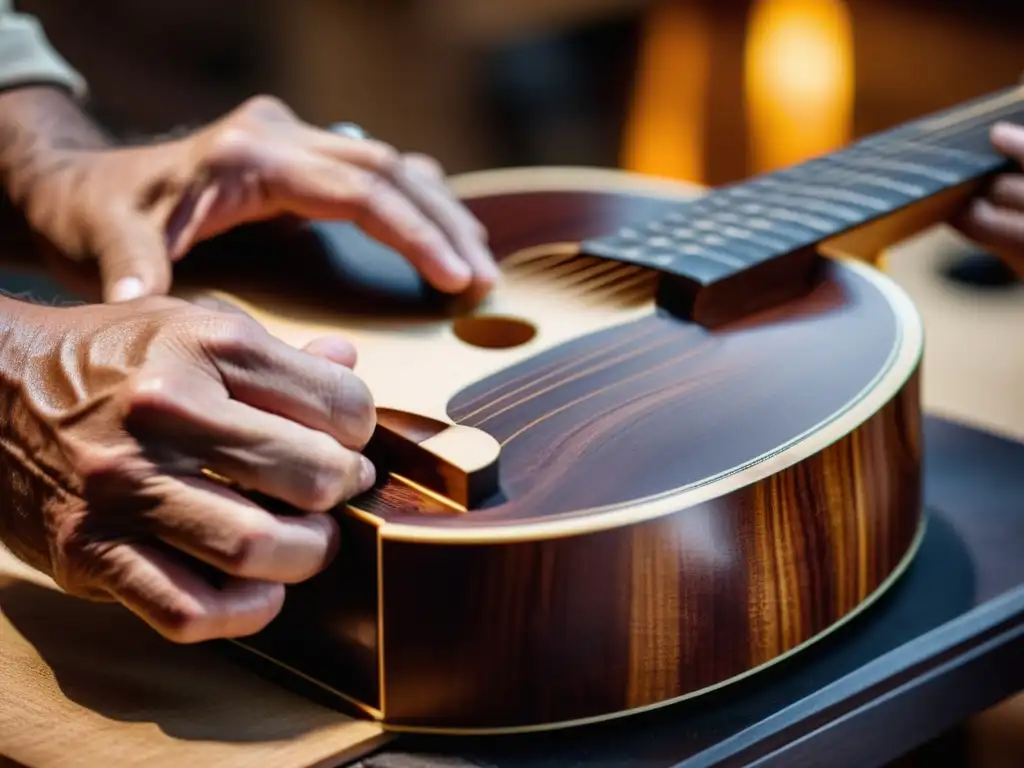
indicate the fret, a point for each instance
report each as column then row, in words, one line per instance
column 779, row 218
column 931, row 151
column 792, row 182
column 765, row 219
column 935, row 156
column 841, row 213
column 932, row 174
column 838, row 169
column 885, row 193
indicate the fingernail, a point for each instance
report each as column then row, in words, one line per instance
column 126, row 289
column 459, row 267
column 367, row 472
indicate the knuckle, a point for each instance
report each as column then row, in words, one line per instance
column 365, row 190
column 329, row 476
column 148, row 393
column 428, row 163
column 352, row 410
column 250, row 552
column 230, row 144
column 265, row 105
column 182, row 620
column 103, row 470
column 384, row 157
column 232, row 336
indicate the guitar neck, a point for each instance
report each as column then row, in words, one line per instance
column 745, row 246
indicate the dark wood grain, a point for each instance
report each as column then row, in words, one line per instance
column 553, row 630
column 570, row 628
column 945, row 643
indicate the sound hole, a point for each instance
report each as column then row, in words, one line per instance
column 493, row 331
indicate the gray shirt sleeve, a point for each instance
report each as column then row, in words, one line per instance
column 28, row 58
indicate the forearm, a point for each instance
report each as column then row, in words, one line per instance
column 40, row 128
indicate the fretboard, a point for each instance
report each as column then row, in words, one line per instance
column 743, row 226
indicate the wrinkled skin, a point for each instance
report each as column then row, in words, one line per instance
column 136, row 210
column 115, row 411
column 115, row 414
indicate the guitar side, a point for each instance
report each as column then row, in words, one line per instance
column 681, row 507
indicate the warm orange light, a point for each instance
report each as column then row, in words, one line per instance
column 664, row 133
column 799, row 80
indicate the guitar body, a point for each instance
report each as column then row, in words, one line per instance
column 678, row 507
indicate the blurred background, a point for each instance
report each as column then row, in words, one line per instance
column 706, row 91
column 703, row 90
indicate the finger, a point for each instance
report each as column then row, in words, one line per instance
column 433, row 172
column 181, row 605
column 1000, row 229
column 426, row 166
column 329, row 189
column 227, row 531
column 335, row 184
column 1007, row 191
column 1008, row 138
column 422, row 180
column 133, row 261
column 337, row 349
column 275, row 377
column 187, row 429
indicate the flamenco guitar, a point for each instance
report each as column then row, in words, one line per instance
column 678, row 444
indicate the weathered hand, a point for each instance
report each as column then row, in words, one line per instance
column 996, row 220
column 113, row 413
column 138, row 209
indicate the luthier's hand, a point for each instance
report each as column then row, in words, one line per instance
column 996, row 220
column 111, row 414
column 136, row 210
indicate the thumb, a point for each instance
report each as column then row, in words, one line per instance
column 133, row 262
